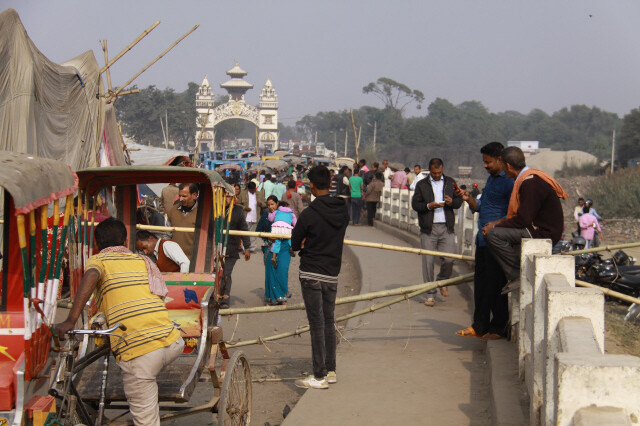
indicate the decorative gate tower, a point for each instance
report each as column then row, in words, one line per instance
column 264, row 116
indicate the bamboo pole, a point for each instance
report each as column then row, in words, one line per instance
column 602, row 248
column 129, row 47
column 609, row 292
column 348, row 299
column 355, row 134
column 346, row 242
column 117, row 92
column 106, row 61
column 372, row 308
column 126, row 92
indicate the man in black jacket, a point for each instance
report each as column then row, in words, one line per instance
column 238, row 223
column 319, row 234
column 435, row 199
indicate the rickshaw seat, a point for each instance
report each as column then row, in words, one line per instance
column 184, row 306
column 7, row 385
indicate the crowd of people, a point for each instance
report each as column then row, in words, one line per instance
column 517, row 202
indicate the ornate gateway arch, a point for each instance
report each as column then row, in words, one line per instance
column 264, row 116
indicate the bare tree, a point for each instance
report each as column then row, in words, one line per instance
column 395, row 95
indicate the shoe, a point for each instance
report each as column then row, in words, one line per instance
column 274, row 263
column 511, row 285
column 224, row 305
column 491, row 336
column 312, row 382
column 331, row 377
column 467, row 332
column 430, row 301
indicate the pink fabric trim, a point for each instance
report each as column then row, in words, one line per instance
column 50, row 198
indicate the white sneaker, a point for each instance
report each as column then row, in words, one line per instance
column 312, row 382
column 331, row 377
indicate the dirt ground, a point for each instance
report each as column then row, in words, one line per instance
column 276, row 365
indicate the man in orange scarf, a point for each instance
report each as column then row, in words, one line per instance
column 534, row 212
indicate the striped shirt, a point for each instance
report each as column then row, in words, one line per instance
column 123, row 295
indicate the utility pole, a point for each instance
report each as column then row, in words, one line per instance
column 345, row 142
column 613, row 149
column 166, row 125
column 335, row 142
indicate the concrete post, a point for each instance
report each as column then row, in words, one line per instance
column 598, row 382
column 524, row 298
column 574, row 323
column 543, row 265
column 385, row 201
column 395, row 207
column 405, row 207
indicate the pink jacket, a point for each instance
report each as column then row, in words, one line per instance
column 587, row 222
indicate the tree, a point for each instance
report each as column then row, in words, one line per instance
column 629, row 146
column 395, row 95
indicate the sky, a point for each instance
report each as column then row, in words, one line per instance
column 509, row 55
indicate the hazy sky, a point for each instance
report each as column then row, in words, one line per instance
column 510, row 55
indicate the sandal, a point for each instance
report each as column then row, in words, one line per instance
column 467, row 332
column 444, row 291
column 491, row 336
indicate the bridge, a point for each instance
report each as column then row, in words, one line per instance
column 404, row 364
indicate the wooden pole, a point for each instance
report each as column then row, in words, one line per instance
column 348, row 299
column 343, row 318
column 117, row 92
column 347, row 242
column 601, row 248
column 613, row 150
column 106, row 61
column 129, row 47
column 608, row 292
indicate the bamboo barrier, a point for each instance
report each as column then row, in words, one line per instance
column 348, row 299
column 347, row 242
column 426, row 287
column 602, row 248
column 609, row 292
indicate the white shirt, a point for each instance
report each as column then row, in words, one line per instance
column 438, row 197
column 252, row 215
column 173, row 251
column 418, row 178
column 387, row 177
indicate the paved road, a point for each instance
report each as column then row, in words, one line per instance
column 404, row 364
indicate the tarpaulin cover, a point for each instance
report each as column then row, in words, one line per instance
column 34, row 182
column 46, row 109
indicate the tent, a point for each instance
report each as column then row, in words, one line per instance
column 53, row 110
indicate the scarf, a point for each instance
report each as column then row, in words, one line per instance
column 514, row 201
column 288, row 193
column 156, row 282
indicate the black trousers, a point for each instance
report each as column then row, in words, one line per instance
column 229, row 263
column 320, row 303
column 371, row 211
column 491, row 313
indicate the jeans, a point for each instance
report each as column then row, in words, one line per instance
column 372, row 206
column 320, row 303
column 505, row 245
column 229, row 263
column 491, row 312
column 356, row 210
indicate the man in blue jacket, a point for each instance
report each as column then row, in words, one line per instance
column 434, row 200
column 491, row 312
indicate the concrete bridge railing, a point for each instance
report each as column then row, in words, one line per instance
column 558, row 328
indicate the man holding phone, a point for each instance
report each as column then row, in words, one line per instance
column 434, row 200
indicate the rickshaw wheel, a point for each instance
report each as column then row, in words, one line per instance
column 234, row 406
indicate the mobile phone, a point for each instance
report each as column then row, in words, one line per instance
column 456, row 187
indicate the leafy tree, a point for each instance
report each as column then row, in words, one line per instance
column 395, row 95
column 629, row 140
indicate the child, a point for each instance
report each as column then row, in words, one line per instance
column 283, row 222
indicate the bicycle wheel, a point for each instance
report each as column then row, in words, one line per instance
column 234, row 406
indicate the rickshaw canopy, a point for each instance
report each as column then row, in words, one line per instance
column 34, row 181
column 91, row 180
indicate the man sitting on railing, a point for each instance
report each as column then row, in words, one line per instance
column 128, row 291
column 534, row 212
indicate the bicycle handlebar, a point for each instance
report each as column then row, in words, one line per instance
column 106, row 332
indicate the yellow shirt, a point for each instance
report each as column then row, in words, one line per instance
column 123, row 295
